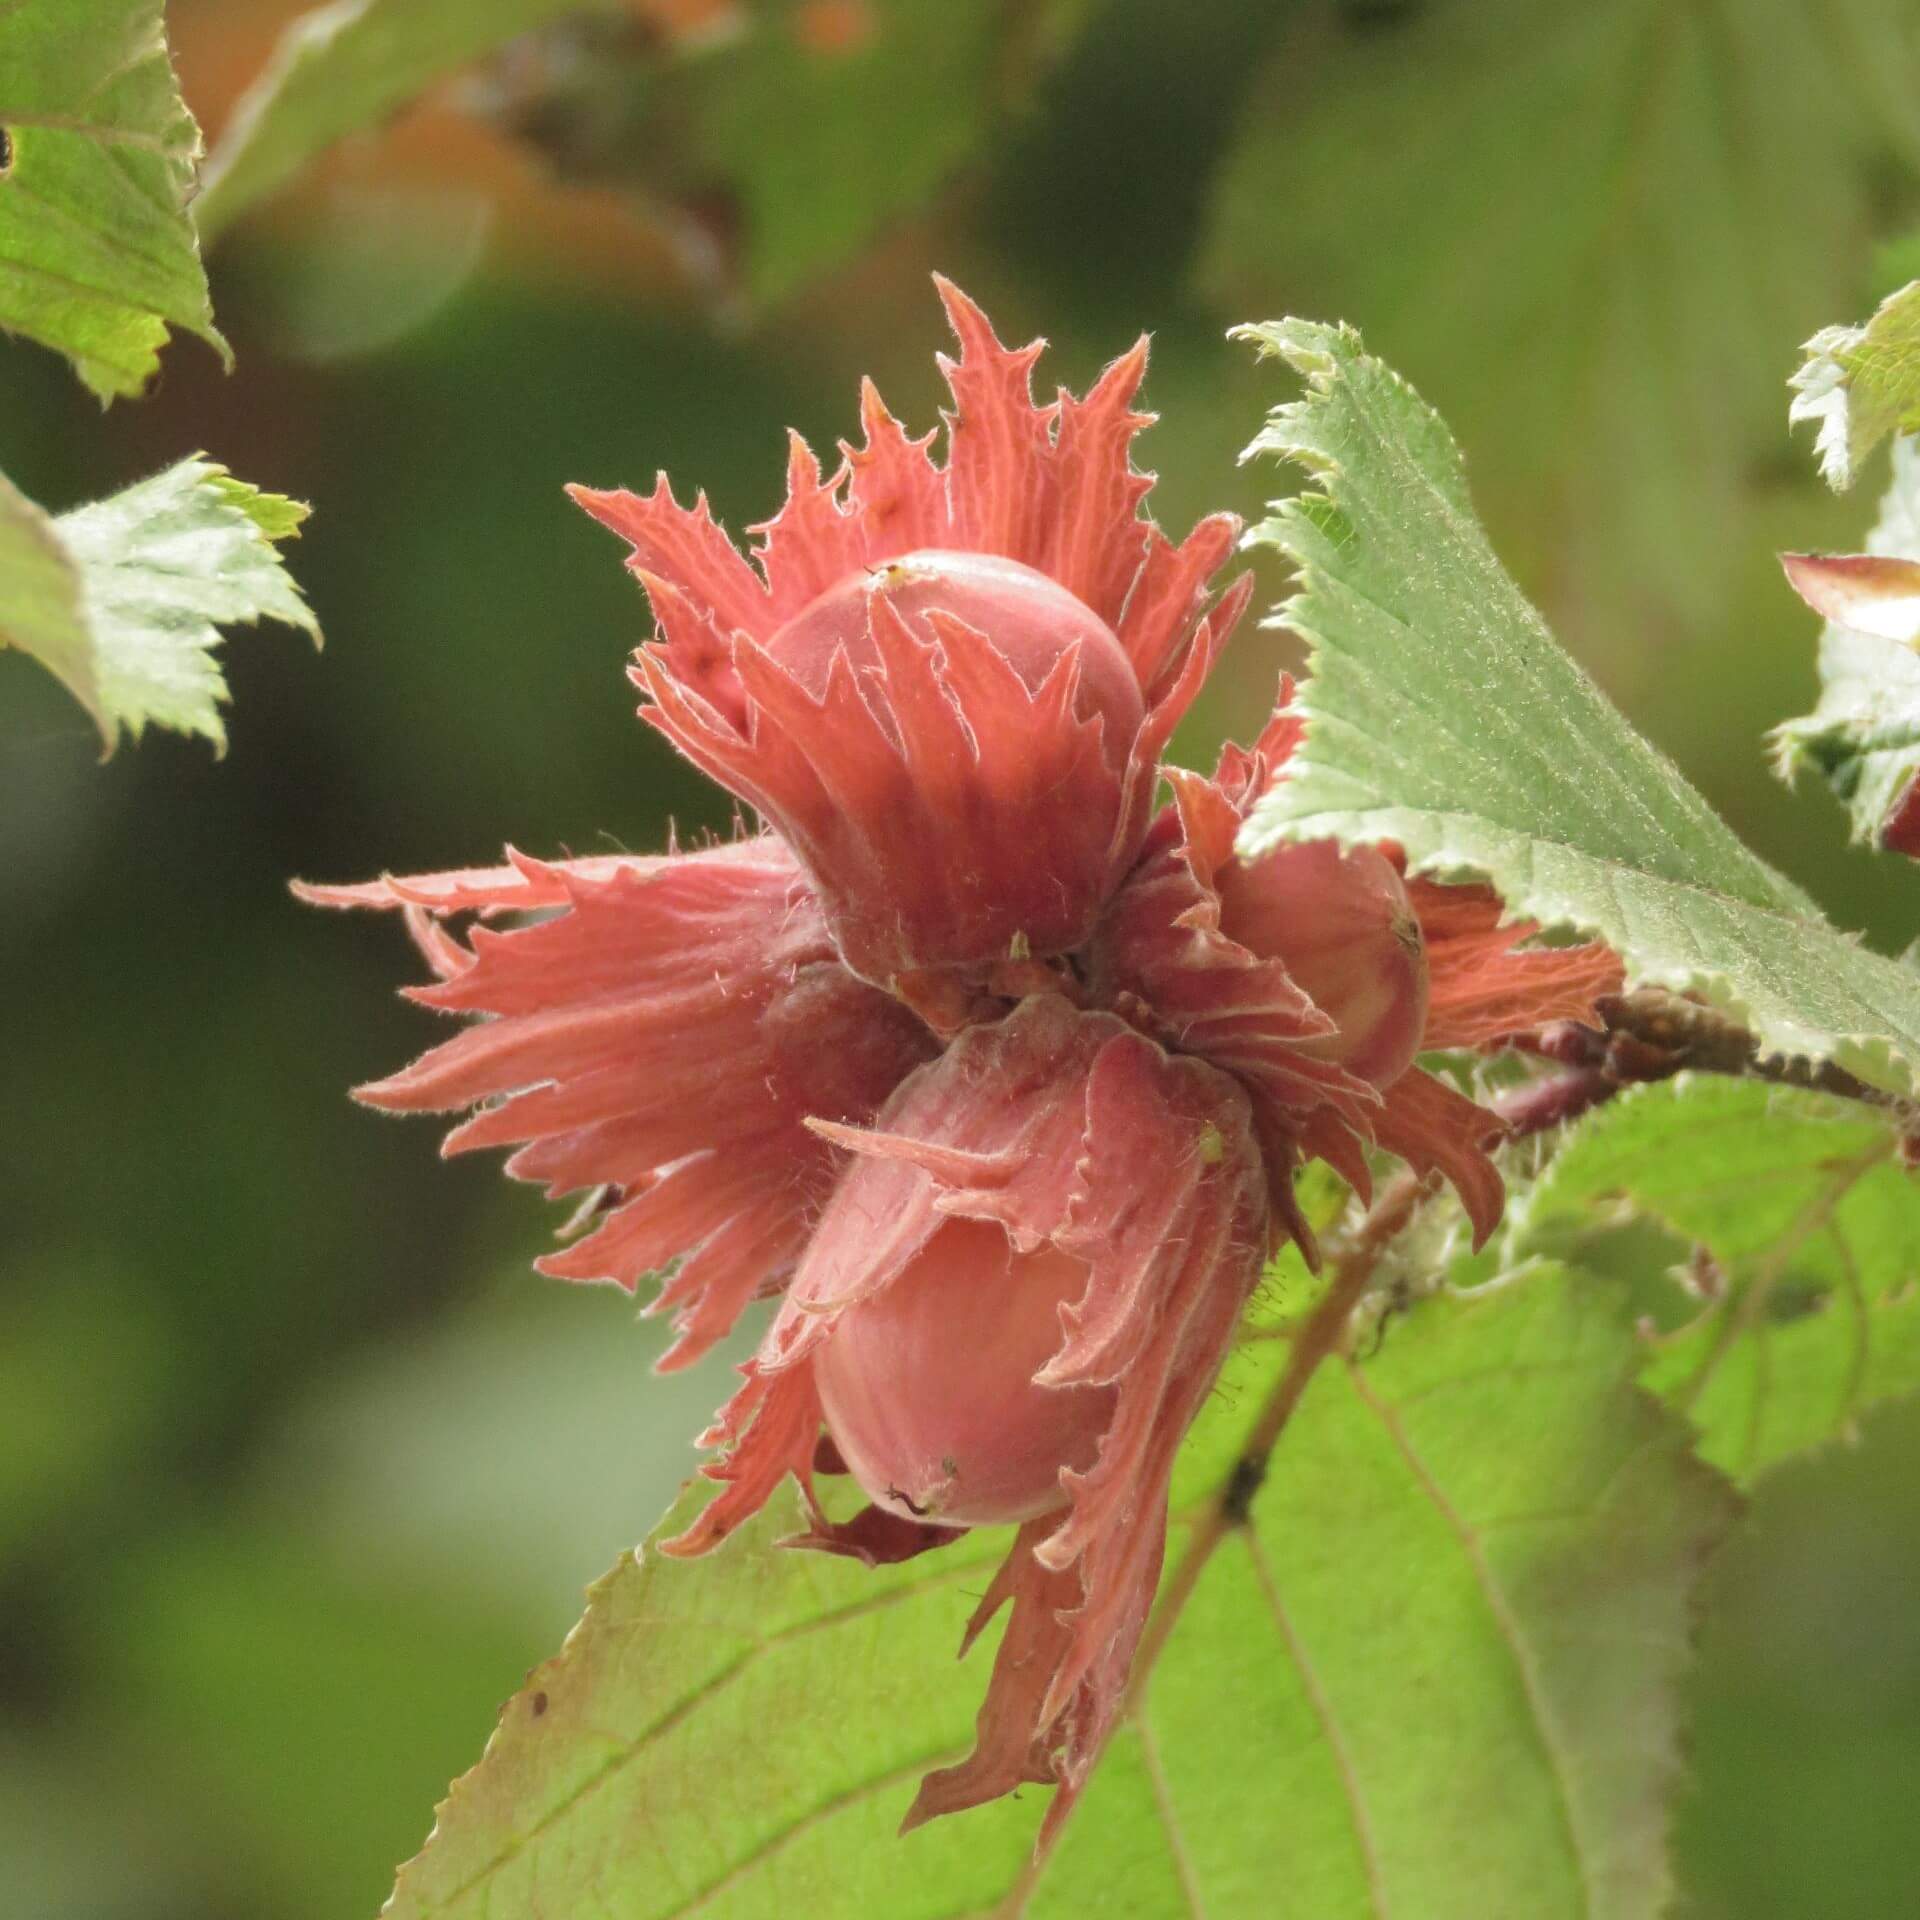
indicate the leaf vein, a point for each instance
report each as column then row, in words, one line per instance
column 1163, row 1806
column 1322, row 1706
column 1545, row 1722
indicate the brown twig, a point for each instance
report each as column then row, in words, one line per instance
column 1316, row 1341
column 1652, row 1034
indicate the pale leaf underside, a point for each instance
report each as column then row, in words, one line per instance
column 1442, row 715
column 124, row 599
column 1861, row 384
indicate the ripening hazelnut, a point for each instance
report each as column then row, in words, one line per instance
column 1030, row 619
column 928, row 1387
column 1341, row 924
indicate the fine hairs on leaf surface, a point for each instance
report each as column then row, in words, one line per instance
column 98, row 256
column 1441, row 714
column 1804, row 1312
column 123, row 600
column 741, row 1737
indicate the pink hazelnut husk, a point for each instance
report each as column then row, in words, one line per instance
column 929, row 1392
column 946, row 685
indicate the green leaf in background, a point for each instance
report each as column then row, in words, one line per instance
column 1595, row 235
column 345, row 67
column 97, row 250
column 123, row 600
column 868, row 131
column 1435, row 1678
column 40, row 606
column 1443, row 715
column 876, row 106
column 1861, row 384
column 1809, row 1314
column 1864, row 735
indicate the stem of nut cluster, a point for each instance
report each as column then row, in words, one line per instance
column 1319, row 1339
column 1651, row 1034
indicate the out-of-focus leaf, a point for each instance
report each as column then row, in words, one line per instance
column 97, row 250
column 1810, row 1312
column 393, row 1468
column 1441, row 713
column 86, row 1362
column 1595, row 234
column 286, row 1706
column 369, row 267
column 1864, row 735
column 344, row 67
column 124, row 599
column 41, row 611
column 868, row 127
column 1436, row 1676
column 1861, row 384
column 792, row 129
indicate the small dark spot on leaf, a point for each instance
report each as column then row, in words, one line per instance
column 6, row 150
column 539, row 1704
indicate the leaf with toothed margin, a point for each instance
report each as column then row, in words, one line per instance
column 123, row 600
column 1436, row 1676
column 98, row 155
column 1808, row 1315
column 1861, row 384
column 1440, row 713
column 1863, row 737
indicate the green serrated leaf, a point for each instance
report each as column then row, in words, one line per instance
column 344, row 67
column 97, row 251
column 1436, row 1678
column 1443, row 715
column 1861, row 384
column 123, row 600
column 277, row 517
column 1594, row 234
column 1809, row 1314
column 1864, row 735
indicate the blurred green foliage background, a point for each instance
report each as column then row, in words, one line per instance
column 299, row 1468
